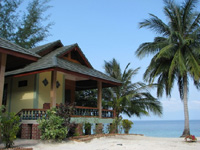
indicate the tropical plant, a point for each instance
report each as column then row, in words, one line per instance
column 53, row 127
column 9, row 127
column 87, row 127
column 176, row 51
column 87, row 98
column 129, row 98
column 126, row 124
column 65, row 111
column 116, row 125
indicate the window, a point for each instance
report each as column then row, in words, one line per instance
column 22, row 83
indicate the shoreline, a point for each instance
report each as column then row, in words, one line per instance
column 112, row 142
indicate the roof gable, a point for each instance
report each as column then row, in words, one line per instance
column 75, row 54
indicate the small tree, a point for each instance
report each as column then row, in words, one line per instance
column 127, row 124
column 9, row 127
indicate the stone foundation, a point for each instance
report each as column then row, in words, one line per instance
column 30, row 131
column 79, row 129
column 26, row 131
column 36, row 133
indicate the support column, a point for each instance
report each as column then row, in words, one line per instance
column 53, row 88
column 2, row 74
column 99, row 100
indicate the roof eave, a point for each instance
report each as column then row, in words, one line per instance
column 67, row 71
column 18, row 54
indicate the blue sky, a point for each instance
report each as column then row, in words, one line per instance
column 106, row 29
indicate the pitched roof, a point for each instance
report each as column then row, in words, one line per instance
column 11, row 46
column 52, row 60
column 45, row 46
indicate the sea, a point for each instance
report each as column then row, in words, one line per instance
column 167, row 128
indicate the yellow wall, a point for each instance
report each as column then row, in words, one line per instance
column 44, row 91
column 26, row 97
column 22, row 97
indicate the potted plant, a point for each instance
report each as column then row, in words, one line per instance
column 126, row 124
column 87, row 128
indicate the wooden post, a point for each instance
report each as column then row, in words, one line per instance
column 99, row 100
column 2, row 74
column 53, row 88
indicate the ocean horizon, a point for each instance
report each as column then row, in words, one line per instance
column 164, row 128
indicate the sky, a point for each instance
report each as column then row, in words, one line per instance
column 107, row 29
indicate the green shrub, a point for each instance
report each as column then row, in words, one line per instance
column 126, row 124
column 53, row 127
column 73, row 130
column 57, row 124
column 9, row 127
column 116, row 125
column 87, row 127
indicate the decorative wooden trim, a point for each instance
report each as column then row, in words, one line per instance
column 87, row 76
column 30, row 110
column 33, row 72
column 82, row 107
column 68, row 72
column 18, row 54
column 76, row 48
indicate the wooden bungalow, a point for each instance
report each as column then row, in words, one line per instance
column 53, row 79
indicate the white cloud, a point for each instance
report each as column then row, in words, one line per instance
column 172, row 105
column 194, row 105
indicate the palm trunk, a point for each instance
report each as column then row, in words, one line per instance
column 185, row 104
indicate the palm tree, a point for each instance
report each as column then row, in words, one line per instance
column 176, row 51
column 130, row 98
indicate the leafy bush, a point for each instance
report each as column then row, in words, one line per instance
column 126, row 124
column 9, row 127
column 57, row 124
column 53, row 127
column 65, row 111
column 87, row 127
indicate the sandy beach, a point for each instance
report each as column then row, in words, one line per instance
column 119, row 142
